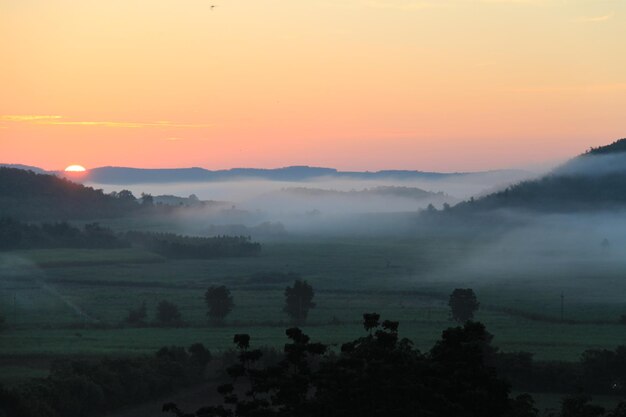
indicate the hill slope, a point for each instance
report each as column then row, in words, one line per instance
column 27, row 195
column 594, row 180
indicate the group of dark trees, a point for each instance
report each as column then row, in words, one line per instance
column 167, row 315
column 20, row 235
column 16, row 234
column 81, row 388
column 183, row 247
column 379, row 374
column 298, row 301
column 220, row 303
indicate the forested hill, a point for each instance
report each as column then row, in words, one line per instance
column 595, row 180
column 27, row 195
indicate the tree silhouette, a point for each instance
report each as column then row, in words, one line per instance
column 137, row 316
column 168, row 314
column 377, row 375
column 219, row 301
column 463, row 304
column 147, row 200
column 299, row 300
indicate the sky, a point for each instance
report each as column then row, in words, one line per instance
column 439, row 85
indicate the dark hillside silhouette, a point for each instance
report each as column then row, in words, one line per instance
column 595, row 180
column 26, row 195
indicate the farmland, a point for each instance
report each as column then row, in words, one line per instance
column 72, row 303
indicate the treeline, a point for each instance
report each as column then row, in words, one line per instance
column 20, row 235
column 89, row 388
column 176, row 246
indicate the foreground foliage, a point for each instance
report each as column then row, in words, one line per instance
column 85, row 388
column 376, row 375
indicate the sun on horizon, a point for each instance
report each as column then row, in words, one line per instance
column 75, row 168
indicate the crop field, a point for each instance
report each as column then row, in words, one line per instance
column 60, row 303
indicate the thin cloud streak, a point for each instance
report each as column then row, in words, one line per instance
column 27, row 117
column 56, row 121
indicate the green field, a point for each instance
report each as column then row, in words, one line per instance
column 60, row 303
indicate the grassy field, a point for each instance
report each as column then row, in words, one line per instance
column 53, row 299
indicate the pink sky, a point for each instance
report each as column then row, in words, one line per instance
column 449, row 85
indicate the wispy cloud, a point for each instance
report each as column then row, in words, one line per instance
column 595, row 19
column 60, row 121
column 27, row 117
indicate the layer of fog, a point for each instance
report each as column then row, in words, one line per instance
column 559, row 251
column 242, row 191
column 595, row 165
column 255, row 203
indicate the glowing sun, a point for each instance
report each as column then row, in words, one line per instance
column 75, row 168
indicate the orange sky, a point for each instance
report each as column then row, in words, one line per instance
column 353, row 84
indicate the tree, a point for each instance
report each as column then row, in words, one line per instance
column 137, row 316
column 219, row 301
column 147, row 200
column 168, row 314
column 299, row 300
column 463, row 304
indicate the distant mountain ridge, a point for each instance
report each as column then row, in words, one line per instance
column 25, row 168
column 122, row 175
column 128, row 175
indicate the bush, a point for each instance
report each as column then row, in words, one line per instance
column 89, row 388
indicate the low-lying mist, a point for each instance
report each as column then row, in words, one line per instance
column 324, row 205
column 582, row 250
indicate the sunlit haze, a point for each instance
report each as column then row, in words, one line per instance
column 353, row 84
